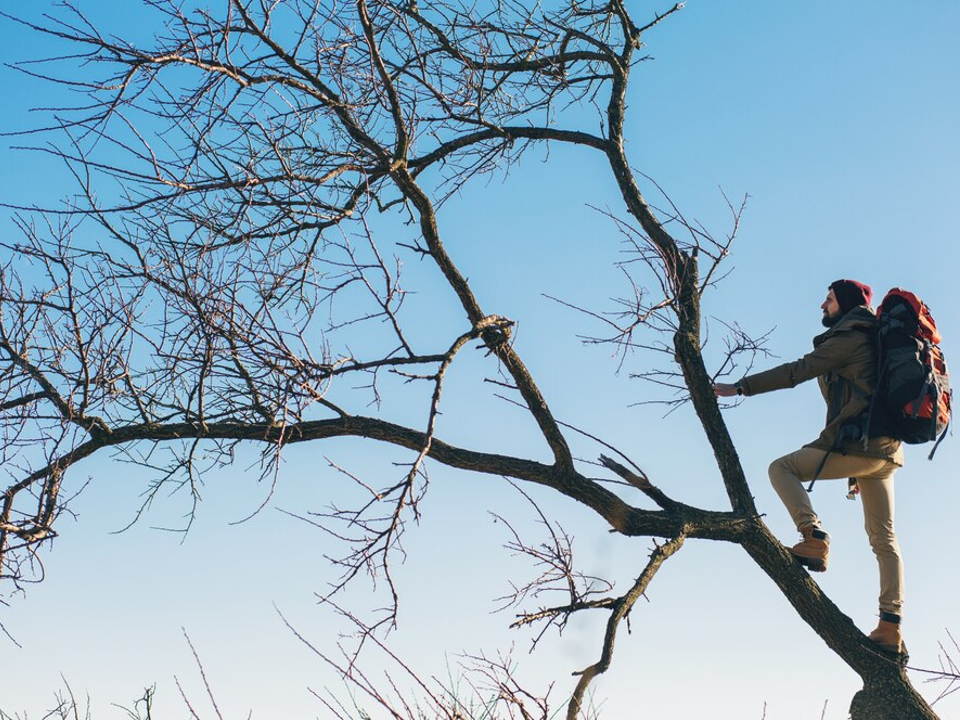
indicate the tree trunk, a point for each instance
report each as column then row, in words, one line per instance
column 890, row 698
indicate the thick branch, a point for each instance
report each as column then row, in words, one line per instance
column 621, row 516
column 681, row 273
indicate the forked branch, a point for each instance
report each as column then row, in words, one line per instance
column 621, row 609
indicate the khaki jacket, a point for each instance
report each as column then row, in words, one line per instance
column 844, row 361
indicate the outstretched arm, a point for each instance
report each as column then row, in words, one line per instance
column 835, row 352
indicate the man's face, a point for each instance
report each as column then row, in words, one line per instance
column 831, row 310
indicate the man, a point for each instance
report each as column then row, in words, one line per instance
column 844, row 361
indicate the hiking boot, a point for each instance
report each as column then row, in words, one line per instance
column 887, row 635
column 813, row 550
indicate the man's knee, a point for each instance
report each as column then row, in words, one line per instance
column 782, row 470
column 884, row 543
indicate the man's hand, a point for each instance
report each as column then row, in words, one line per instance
column 725, row 390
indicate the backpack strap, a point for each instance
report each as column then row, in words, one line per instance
column 881, row 366
column 934, row 416
column 816, row 475
column 835, row 400
column 939, row 440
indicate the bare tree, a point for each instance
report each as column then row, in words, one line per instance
column 219, row 278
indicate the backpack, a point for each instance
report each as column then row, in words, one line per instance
column 913, row 385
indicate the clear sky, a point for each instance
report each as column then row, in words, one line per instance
column 840, row 120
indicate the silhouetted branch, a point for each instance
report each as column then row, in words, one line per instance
column 620, row 609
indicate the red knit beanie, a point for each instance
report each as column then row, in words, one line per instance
column 851, row 294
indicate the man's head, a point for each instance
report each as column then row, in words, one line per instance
column 842, row 297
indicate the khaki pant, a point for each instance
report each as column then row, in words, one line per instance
column 788, row 476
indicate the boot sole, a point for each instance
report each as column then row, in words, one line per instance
column 889, row 648
column 812, row 564
column 893, row 649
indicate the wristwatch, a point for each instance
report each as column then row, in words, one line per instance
column 739, row 389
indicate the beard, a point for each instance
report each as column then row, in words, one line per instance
column 828, row 321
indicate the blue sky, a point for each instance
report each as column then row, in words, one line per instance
column 840, row 121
